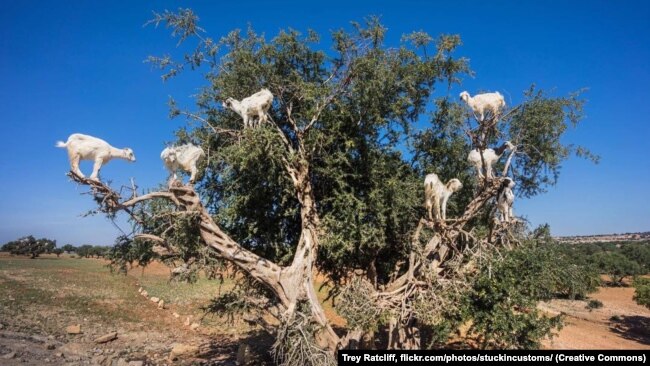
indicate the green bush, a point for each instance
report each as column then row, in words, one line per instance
column 642, row 293
column 502, row 303
column 594, row 304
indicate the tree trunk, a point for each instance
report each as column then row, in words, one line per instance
column 290, row 284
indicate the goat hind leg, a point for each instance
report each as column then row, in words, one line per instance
column 74, row 165
column 444, row 207
column 193, row 174
column 96, row 167
column 436, row 207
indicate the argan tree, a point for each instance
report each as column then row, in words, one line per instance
column 333, row 182
column 30, row 246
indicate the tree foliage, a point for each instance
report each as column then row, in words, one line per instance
column 69, row 248
column 616, row 266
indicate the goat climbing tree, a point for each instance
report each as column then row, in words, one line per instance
column 333, row 182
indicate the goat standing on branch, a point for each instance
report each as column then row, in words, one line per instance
column 490, row 157
column 184, row 157
column 437, row 194
column 484, row 103
column 252, row 109
column 84, row 147
column 505, row 200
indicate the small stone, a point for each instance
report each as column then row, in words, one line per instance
column 9, row 355
column 145, row 293
column 161, row 304
column 175, row 314
column 136, row 363
column 183, row 350
column 187, row 321
column 140, row 290
column 59, row 354
column 194, row 326
column 106, row 337
column 154, row 299
column 122, row 362
column 73, row 329
column 47, row 360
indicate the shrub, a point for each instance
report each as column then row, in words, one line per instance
column 502, row 303
column 594, row 304
column 642, row 293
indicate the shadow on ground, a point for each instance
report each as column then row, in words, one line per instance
column 252, row 350
column 636, row 328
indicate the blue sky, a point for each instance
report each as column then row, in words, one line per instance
column 79, row 68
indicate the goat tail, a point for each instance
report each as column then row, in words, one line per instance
column 61, row 144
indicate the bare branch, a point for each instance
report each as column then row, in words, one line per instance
column 507, row 166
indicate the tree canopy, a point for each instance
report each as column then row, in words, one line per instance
column 334, row 181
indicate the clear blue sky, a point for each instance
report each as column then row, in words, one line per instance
column 77, row 66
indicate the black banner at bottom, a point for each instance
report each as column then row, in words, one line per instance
column 431, row 357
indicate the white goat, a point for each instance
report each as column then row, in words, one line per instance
column 436, row 195
column 490, row 156
column 505, row 200
column 257, row 105
column 84, row 147
column 482, row 103
column 183, row 157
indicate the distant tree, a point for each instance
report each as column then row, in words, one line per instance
column 638, row 252
column 642, row 291
column 58, row 251
column 69, row 248
column 616, row 266
column 85, row 251
column 30, row 246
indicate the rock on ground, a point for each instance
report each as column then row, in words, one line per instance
column 106, row 337
column 73, row 329
column 181, row 350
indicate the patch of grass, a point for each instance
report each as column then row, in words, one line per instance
column 181, row 293
column 46, row 293
column 594, row 304
column 615, row 318
column 49, row 293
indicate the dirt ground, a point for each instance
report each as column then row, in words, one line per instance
column 41, row 298
column 619, row 324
